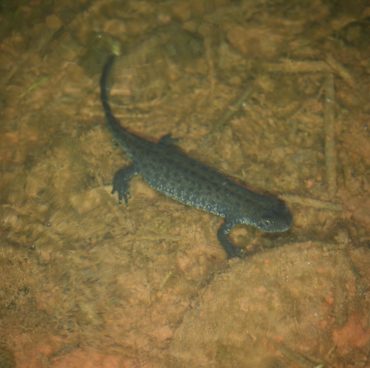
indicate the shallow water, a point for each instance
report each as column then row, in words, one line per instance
column 273, row 94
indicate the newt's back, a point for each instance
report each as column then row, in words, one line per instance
column 170, row 171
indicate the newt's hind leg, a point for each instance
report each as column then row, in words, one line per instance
column 121, row 181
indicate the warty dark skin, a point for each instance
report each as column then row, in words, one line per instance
column 170, row 171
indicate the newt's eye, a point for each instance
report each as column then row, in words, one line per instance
column 266, row 221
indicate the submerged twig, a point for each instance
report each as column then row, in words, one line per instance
column 330, row 153
column 310, row 202
column 292, row 66
column 236, row 105
column 298, row 358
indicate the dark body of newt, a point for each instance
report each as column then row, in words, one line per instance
column 171, row 172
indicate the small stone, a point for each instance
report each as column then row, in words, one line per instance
column 53, row 22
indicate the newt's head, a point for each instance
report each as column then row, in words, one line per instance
column 274, row 218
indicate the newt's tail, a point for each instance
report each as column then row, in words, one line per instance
column 114, row 125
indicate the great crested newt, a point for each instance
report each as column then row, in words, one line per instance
column 166, row 168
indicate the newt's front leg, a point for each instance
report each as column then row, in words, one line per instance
column 121, row 182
